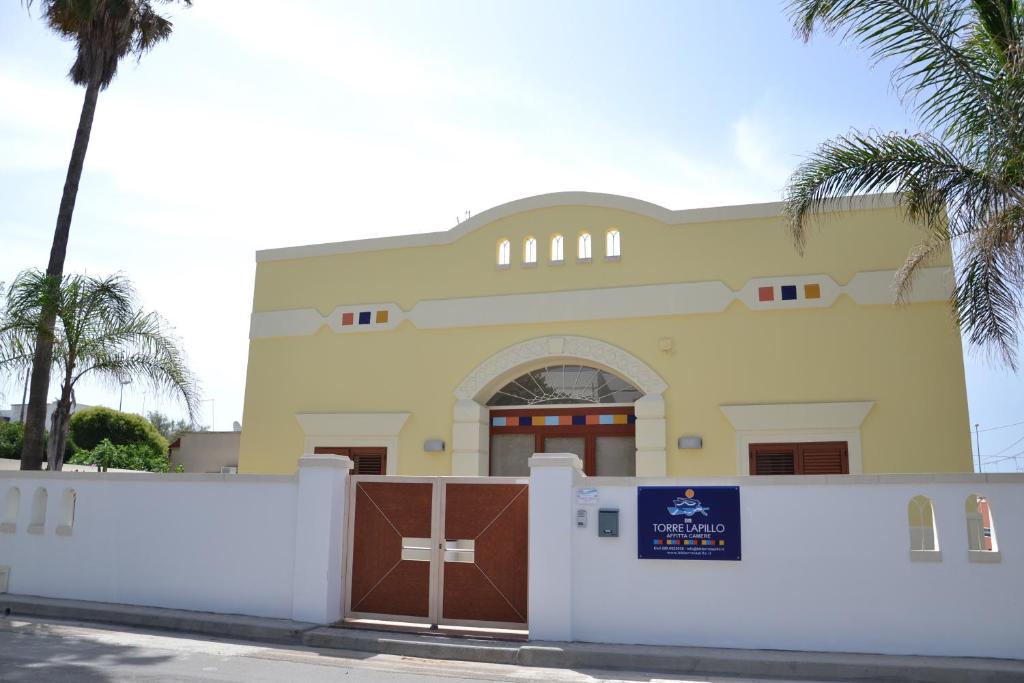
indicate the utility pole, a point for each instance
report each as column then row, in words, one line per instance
column 977, row 446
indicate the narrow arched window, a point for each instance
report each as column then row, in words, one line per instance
column 12, row 502
column 921, row 518
column 981, row 532
column 583, row 252
column 67, row 513
column 504, row 252
column 613, row 246
column 530, row 250
column 557, row 248
column 38, row 521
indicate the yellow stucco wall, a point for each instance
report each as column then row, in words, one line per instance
column 905, row 358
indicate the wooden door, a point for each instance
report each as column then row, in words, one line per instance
column 484, row 572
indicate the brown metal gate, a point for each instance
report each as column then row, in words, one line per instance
column 438, row 551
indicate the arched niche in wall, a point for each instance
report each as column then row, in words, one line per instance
column 12, row 503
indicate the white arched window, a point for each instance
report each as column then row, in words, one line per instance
column 557, row 248
column 921, row 519
column 504, row 252
column 583, row 252
column 530, row 250
column 981, row 532
column 613, row 247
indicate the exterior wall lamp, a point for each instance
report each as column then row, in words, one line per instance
column 690, row 442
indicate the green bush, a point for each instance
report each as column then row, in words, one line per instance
column 91, row 426
column 12, row 435
column 137, row 456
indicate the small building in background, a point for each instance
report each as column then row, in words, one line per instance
column 18, row 410
column 205, row 452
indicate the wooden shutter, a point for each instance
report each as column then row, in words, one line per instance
column 824, row 458
column 364, row 460
column 827, row 457
column 368, row 460
column 770, row 458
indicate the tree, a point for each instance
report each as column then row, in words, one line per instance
column 104, row 33
column 170, row 429
column 959, row 64
column 90, row 427
column 11, row 436
column 101, row 333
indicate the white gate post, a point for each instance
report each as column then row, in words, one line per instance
column 552, row 478
column 320, row 524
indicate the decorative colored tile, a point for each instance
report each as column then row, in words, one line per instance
column 766, row 294
column 593, row 419
column 512, row 421
column 526, row 421
column 551, row 420
column 812, row 291
column 498, row 421
column 565, row 419
column 631, row 419
column 620, row 419
column 579, row 419
column 382, row 316
column 788, row 292
column 364, row 317
column 607, row 419
column 346, row 318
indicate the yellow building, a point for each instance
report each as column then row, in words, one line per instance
column 647, row 341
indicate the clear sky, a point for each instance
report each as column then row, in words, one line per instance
column 259, row 120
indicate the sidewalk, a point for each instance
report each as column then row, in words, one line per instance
column 676, row 660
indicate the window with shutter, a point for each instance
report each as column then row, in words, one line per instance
column 364, row 460
column 826, row 457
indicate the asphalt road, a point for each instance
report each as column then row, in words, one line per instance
column 36, row 650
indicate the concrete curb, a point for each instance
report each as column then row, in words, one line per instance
column 205, row 623
column 646, row 658
column 676, row 660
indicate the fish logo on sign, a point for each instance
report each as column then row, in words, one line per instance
column 688, row 506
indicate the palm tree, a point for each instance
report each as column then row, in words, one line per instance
column 101, row 333
column 104, row 33
column 959, row 65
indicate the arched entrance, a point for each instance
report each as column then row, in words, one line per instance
column 610, row 374
column 564, row 408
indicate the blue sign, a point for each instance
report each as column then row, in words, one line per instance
column 688, row 523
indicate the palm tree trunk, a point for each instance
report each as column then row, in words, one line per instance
column 35, row 417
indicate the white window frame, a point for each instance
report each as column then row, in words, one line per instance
column 530, row 251
column 798, row 423
column 504, row 253
column 613, row 245
column 584, row 243
column 557, row 248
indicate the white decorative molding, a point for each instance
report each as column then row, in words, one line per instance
column 589, row 199
column 876, row 287
column 639, row 301
column 495, row 370
column 354, row 430
column 795, row 423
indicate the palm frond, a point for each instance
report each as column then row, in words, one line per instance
column 936, row 70
column 925, row 174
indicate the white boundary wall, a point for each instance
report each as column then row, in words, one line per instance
column 255, row 545
column 826, row 566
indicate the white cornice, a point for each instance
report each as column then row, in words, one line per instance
column 351, row 424
column 803, row 416
column 544, row 201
